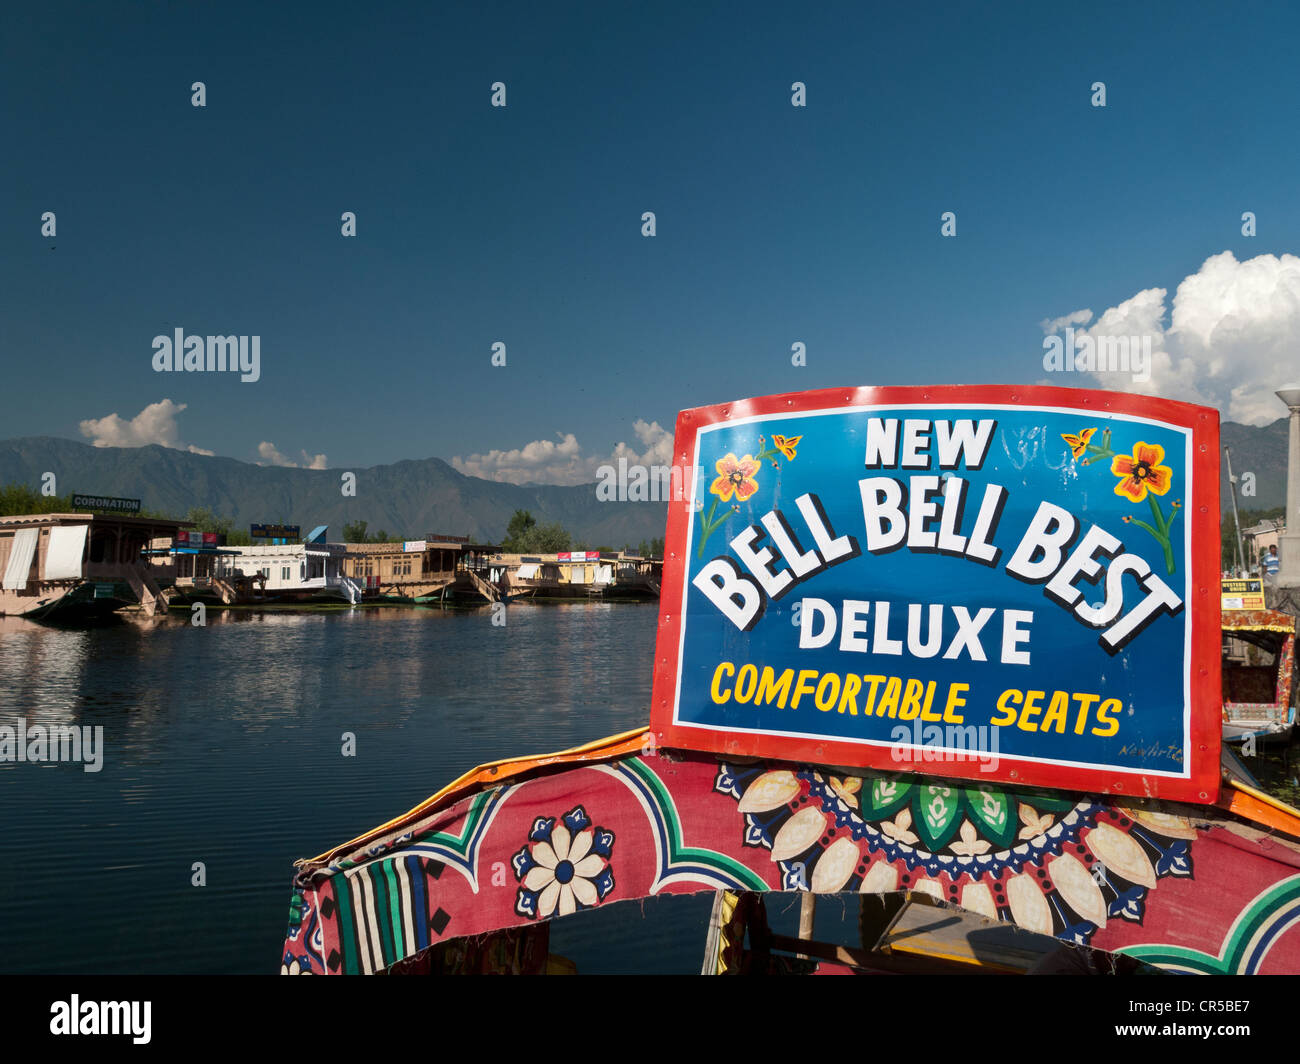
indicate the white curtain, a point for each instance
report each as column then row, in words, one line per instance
column 20, row 559
column 63, row 552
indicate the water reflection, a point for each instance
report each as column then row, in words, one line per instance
column 224, row 744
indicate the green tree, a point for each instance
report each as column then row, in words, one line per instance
column 355, row 532
column 517, row 532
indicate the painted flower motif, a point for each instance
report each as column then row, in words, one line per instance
column 1035, row 823
column 847, row 788
column 1078, row 444
column 898, row 827
column 1074, row 866
column 971, row 844
column 786, row 444
column 566, row 868
column 1141, row 472
column 735, row 477
column 293, row 966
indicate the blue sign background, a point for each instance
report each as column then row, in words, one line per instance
column 1029, row 458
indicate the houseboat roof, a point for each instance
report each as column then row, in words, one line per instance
column 20, row 520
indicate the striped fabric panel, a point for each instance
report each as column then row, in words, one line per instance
column 383, row 914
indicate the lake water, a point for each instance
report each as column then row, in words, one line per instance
column 223, row 745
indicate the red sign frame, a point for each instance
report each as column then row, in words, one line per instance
column 1200, row 786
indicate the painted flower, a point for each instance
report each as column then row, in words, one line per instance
column 566, row 868
column 847, row 788
column 786, row 444
column 1036, row 823
column 1078, row 444
column 898, row 827
column 293, row 966
column 1142, row 472
column 735, row 477
column 971, row 844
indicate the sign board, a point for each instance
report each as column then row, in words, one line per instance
column 108, row 503
column 993, row 583
column 578, row 556
column 413, row 546
column 190, row 538
column 275, row 531
column 1242, row 594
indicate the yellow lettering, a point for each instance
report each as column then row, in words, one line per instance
column 1085, row 704
column 875, row 682
column 852, row 685
column 1031, row 710
column 768, row 690
column 1054, row 718
column 889, row 700
column 1012, row 696
column 746, row 682
column 803, row 686
column 929, row 698
column 721, row 697
column 1111, row 705
column 830, row 701
column 911, row 705
column 955, row 701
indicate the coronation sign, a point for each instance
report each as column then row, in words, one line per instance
column 995, row 583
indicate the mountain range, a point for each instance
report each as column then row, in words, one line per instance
column 409, row 498
column 416, row 497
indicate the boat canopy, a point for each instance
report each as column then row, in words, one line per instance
column 1257, row 621
column 513, row 844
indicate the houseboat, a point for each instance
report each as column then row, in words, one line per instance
column 430, row 570
column 311, row 571
column 73, row 567
column 581, row 574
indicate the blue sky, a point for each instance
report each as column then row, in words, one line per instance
column 522, row 224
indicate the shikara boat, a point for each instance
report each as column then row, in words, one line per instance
column 1067, row 809
column 1257, row 686
column 959, row 878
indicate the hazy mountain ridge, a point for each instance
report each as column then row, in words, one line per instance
column 411, row 497
column 417, row 496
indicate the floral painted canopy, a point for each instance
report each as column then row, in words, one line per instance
column 1191, row 889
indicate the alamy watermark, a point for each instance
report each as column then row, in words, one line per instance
column 642, row 483
column 53, row 742
column 1098, row 354
column 212, row 354
column 948, row 743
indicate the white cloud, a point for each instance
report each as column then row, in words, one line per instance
column 1232, row 338
column 272, row 456
column 156, row 423
column 561, row 461
column 1055, row 325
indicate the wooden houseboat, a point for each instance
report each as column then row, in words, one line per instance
column 71, row 567
column 428, row 570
